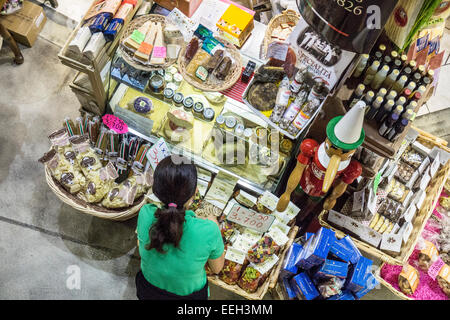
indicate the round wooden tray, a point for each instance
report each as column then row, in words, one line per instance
column 93, row 209
column 127, row 54
column 232, row 77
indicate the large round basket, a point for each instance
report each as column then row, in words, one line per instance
column 287, row 16
column 127, row 55
column 232, row 77
column 93, row 209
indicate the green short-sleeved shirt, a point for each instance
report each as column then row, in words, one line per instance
column 180, row 270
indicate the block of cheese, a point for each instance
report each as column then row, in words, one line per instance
column 159, row 50
column 134, row 40
column 146, row 47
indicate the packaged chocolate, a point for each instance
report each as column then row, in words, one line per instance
column 340, row 251
column 357, row 274
column 235, row 262
column 344, row 295
column 191, row 49
column 318, row 250
column 404, row 172
column 261, row 250
column 215, row 60
column 427, row 255
column 120, row 196
column 304, row 288
column 223, row 68
column 370, row 283
column 331, row 287
column 349, row 244
column 289, row 267
column 63, row 171
column 443, row 279
column 412, row 157
column 251, row 279
column 332, row 269
column 396, row 190
column 408, row 279
column 287, row 290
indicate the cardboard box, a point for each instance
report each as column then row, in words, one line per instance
column 26, row 24
column 236, row 25
column 188, row 7
column 356, row 280
column 303, row 287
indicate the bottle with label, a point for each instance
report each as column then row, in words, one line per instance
column 374, row 107
column 357, row 95
column 417, row 77
column 361, row 65
column 292, row 111
column 391, row 78
column 398, row 110
column 384, row 111
column 401, row 101
column 371, row 72
column 397, row 64
column 282, row 100
column 381, row 93
column 387, row 125
column 368, row 98
column 408, row 114
column 303, row 117
column 421, row 90
column 299, row 81
column 399, row 127
column 407, row 71
column 392, row 95
column 379, row 78
column 400, row 84
column 319, row 91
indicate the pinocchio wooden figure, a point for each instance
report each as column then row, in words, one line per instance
column 319, row 167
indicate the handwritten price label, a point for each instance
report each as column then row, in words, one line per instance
column 158, row 152
column 115, row 123
column 434, row 269
column 250, row 219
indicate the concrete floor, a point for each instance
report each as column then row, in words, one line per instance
column 42, row 240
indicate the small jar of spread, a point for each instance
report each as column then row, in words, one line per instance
column 156, row 84
column 208, row 114
column 177, row 78
column 168, row 95
column 198, row 109
column 168, row 77
column 172, row 70
column 188, row 103
column 239, row 130
column 230, row 122
column 248, row 133
column 178, row 99
column 220, row 121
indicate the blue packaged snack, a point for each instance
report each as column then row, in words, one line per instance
column 112, row 29
column 345, row 295
column 320, row 246
column 370, row 283
column 292, row 257
column 349, row 244
column 288, row 292
column 356, row 279
column 303, row 287
column 341, row 252
column 302, row 263
column 100, row 22
column 308, row 235
column 202, row 32
column 211, row 45
column 332, row 268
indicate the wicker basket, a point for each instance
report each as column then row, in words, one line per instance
column 232, row 77
column 127, row 55
column 271, row 280
column 287, row 16
column 92, row 209
column 433, row 192
column 380, row 279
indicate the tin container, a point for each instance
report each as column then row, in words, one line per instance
column 208, row 114
column 168, row 95
column 220, row 121
column 178, row 99
column 156, row 84
column 198, row 109
column 188, row 103
column 230, row 123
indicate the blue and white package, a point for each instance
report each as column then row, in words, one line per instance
column 288, row 292
column 357, row 275
column 292, row 257
column 320, row 246
column 308, row 235
column 100, row 22
column 303, row 287
column 332, row 268
column 345, row 295
column 302, row 263
column 371, row 283
column 356, row 254
column 341, row 251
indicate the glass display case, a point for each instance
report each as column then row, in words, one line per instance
column 218, row 132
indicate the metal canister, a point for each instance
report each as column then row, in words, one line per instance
column 208, row 114
column 198, row 109
column 178, row 98
column 188, row 103
column 168, row 95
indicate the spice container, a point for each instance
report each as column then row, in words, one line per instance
column 178, row 99
column 188, row 103
column 168, row 95
column 208, row 114
column 198, row 109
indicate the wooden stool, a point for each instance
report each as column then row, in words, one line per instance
column 10, row 40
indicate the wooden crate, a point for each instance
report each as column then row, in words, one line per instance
column 433, row 192
column 271, row 280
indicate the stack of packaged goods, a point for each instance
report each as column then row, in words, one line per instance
column 326, row 268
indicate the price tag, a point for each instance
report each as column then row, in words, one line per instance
column 250, row 219
column 252, row 235
column 278, row 236
column 243, row 243
column 235, row 255
column 281, row 226
column 158, row 152
column 269, row 200
column 115, row 123
column 376, row 182
column 434, row 269
column 267, row 265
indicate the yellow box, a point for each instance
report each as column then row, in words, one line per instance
column 236, row 25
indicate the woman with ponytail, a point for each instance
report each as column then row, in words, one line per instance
column 174, row 244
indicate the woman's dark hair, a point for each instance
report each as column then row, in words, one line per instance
column 172, row 184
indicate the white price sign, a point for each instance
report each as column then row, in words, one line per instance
column 250, row 219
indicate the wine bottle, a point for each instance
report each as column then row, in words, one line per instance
column 374, row 107
column 400, row 84
column 391, row 78
column 379, row 78
column 384, row 111
column 399, row 127
column 370, row 72
column 387, row 125
column 361, row 65
column 356, row 95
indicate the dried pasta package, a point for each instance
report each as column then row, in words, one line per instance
column 262, row 250
column 235, row 262
column 251, row 279
column 86, row 157
column 427, row 255
column 443, row 279
column 142, row 181
column 63, row 171
column 100, row 183
column 120, row 196
column 408, row 279
column 60, row 141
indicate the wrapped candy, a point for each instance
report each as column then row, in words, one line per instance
column 265, row 247
column 408, row 279
column 331, row 287
column 231, row 271
column 427, row 255
column 443, row 279
column 251, row 279
column 227, row 229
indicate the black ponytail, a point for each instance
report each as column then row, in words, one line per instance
column 173, row 184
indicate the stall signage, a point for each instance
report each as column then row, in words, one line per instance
column 250, row 219
column 158, row 152
column 115, row 123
